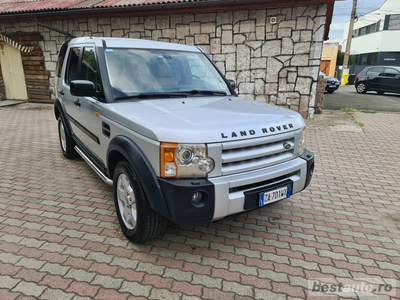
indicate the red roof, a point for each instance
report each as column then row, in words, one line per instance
column 22, row 6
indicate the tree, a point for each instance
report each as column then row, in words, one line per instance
column 340, row 58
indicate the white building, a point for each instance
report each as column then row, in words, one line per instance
column 376, row 37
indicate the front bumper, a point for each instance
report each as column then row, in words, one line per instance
column 225, row 195
column 331, row 87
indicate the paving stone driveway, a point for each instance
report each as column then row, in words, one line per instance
column 60, row 239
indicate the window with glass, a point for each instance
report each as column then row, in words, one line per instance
column 72, row 69
column 89, row 69
column 375, row 71
column 367, row 29
column 391, row 72
column 392, row 22
column 134, row 72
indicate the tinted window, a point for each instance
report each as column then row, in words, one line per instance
column 61, row 57
column 390, row 72
column 72, row 70
column 89, row 66
column 375, row 71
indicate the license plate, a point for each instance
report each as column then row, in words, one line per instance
column 275, row 195
column 332, row 86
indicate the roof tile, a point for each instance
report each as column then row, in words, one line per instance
column 19, row 6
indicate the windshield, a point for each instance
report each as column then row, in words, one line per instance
column 135, row 72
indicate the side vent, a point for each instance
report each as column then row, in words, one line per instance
column 106, row 130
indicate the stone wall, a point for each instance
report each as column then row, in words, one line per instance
column 273, row 63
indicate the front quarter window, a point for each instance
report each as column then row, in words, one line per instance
column 139, row 71
column 72, row 70
column 89, row 66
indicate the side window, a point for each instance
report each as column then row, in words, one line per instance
column 89, row 66
column 61, row 57
column 375, row 71
column 72, row 69
column 390, row 72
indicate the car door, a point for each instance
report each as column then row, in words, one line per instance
column 84, row 112
column 374, row 78
column 391, row 80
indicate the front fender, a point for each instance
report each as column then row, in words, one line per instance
column 59, row 110
column 144, row 171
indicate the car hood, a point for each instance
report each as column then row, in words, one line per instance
column 202, row 119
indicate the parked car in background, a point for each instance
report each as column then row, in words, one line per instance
column 380, row 79
column 332, row 84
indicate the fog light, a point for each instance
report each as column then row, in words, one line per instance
column 196, row 197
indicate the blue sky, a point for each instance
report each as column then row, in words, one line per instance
column 342, row 12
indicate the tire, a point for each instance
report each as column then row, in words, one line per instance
column 361, row 88
column 67, row 144
column 330, row 91
column 138, row 221
column 380, row 93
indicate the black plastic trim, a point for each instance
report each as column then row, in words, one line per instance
column 105, row 81
column 60, row 106
column 178, row 194
column 309, row 157
column 251, row 200
column 144, row 171
column 84, row 129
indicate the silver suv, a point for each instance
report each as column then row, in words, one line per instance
column 160, row 123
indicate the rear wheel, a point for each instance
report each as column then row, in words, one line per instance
column 138, row 221
column 66, row 142
column 361, row 88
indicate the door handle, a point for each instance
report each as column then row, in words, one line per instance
column 77, row 103
column 61, row 92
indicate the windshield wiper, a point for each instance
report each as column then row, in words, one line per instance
column 152, row 95
column 206, row 92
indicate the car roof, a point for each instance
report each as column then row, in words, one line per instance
column 132, row 43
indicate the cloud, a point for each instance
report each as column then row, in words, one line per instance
column 337, row 26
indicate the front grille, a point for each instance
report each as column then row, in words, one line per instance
column 256, row 153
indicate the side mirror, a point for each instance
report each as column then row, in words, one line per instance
column 82, row 88
column 232, row 83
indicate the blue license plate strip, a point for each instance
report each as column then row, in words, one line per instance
column 275, row 195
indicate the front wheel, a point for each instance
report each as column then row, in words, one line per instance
column 138, row 221
column 330, row 91
column 66, row 142
column 361, row 88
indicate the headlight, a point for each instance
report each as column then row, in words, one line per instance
column 185, row 161
column 302, row 142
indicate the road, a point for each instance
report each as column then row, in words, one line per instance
column 346, row 96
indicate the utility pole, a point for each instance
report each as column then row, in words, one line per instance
column 349, row 38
